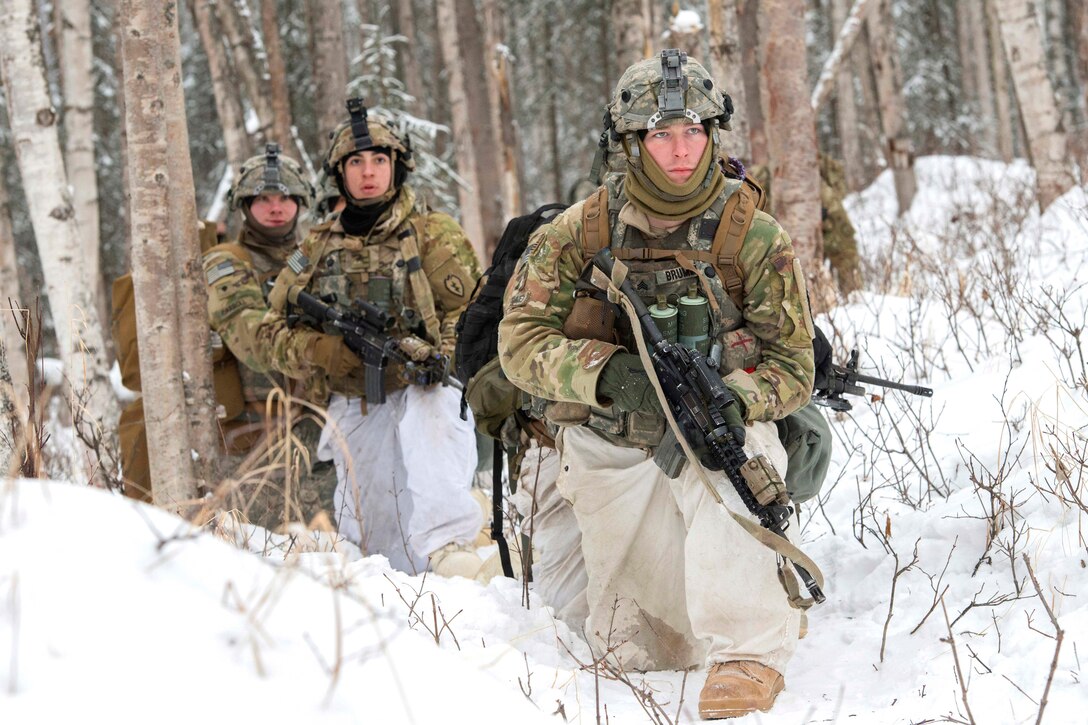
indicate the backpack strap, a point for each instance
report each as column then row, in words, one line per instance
column 736, row 220
column 595, row 232
column 421, row 286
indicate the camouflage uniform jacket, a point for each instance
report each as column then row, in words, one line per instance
column 375, row 268
column 236, row 273
column 775, row 325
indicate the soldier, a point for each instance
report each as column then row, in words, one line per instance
column 270, row 191
column 405, row 466
column 673, row 580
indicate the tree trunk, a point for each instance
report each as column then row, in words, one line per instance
column 791, row 134
column 464, row 150
column 725, row 66
column 76, row 63
column 413, row 82
column 1056, row 45
column 330, row 65
column 502, row 106
column 9, row 333
column 629, row 34
column 277, row 75
column 846, row 110
column 754, row 92
column 227, row 104
column 896, row 142
column 552, row 124
column 848, row 33
column 247, row 66
column 71, row 292
column 485, row 135
column 1078, row 20
column 150, row 52
column 999, row 66
column 1023, row 42
column 975, row 58
column 119, row 71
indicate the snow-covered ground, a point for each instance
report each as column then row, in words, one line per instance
column 112, row 609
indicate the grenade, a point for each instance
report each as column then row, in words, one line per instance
column 664, row 316
column 694, row 321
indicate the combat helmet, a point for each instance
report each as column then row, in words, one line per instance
column 270, row 172
column 369, row 129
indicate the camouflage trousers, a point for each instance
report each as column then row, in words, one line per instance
column 807, row 439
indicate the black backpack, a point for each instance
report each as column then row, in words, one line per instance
column 492, row 397
column 478, row 327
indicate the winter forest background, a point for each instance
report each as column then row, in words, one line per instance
column 952, row 530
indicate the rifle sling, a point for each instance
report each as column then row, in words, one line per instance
column 778, row 544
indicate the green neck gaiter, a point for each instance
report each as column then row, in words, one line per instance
column 276, row 242
column 651, row 190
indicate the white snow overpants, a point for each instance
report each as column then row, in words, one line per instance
column 559, row 573
column 673, row 580
column 404, row 471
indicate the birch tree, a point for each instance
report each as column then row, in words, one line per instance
column 76, row 61
column 228, row 105
column 975, row 58
column 631, row 33
column 178, row 448
column 409, row 63
column 896, row 143
column 791, row 133
column 71, row 293
column 464, row 150
column 326, row 19
column 725, row 66
column 1046, row 142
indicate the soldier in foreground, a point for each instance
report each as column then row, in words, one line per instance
column 673, row 580
column 405, row 460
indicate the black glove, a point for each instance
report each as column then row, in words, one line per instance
column 821, row 354
column 624, row 381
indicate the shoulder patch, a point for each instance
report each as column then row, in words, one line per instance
column 454, row 285
column 219, row 271
column 297, row 261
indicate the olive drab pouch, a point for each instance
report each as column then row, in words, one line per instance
column 492, row 398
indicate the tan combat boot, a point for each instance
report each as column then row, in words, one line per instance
column 734, row 689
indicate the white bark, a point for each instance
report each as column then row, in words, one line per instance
column 155, row 268
column 725, row 67
column 41, row 165
column 462, row 133
column 76, row 59
column 897, row 146
column 277, row 77
column 248, row 65
column 843, row 43
column 1046, row 140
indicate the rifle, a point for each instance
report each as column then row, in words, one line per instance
column 365, row 328
column 697, row 398
column 846, row 378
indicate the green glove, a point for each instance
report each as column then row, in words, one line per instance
column 734, row 416
column 331, row 354
column 624, row 381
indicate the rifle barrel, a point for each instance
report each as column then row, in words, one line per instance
column 912, row 389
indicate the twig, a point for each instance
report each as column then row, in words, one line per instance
column 891, row 602
column 1059, row 633
column 956, row 658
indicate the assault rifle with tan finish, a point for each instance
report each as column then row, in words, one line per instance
column 365, row 328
